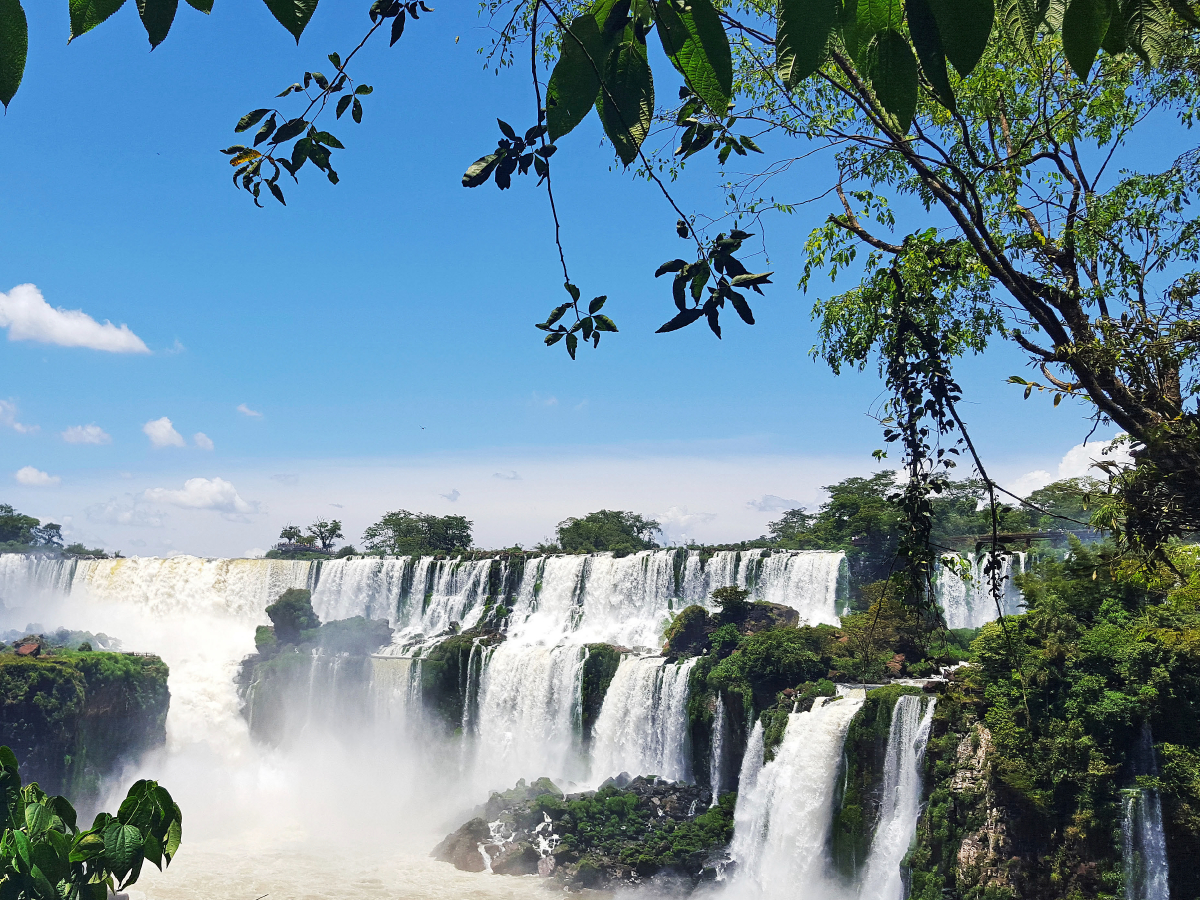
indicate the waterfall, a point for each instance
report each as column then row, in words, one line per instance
column 969, row 603
column 716, row 760
column 1143, row 842
column 912, row 718
column 782, row 822
column 642, row 726
column 744, row 814
column 523, row 714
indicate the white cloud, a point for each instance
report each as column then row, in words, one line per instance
column 507, row 476
column 28, row 317
column 202, row 440
column 247, row 411
column 216, row 494
column 31, row 477
column 678, row 523
column 8, row 418
column 125, row 510
column 1076, row 463
column 254, row 553
column 86, row 434
column 452, row 496
column 162, row 433
column 770, row 503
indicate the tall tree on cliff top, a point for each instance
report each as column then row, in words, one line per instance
column 1005, row 121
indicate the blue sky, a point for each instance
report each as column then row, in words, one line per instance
column 379, row 331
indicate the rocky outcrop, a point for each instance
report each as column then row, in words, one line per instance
column 631, row 831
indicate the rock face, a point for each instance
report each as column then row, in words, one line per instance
column 631, row 831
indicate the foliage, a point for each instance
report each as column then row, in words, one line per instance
column 292, row 614
column 404, row 533
column 19, row 531
column 769, row 661
column 607, row 529
column 324, row 532
column 45, row 856
column 598, row 670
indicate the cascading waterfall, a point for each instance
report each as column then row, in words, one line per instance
column 782, row 821
column 1143, row 842
column 746, row 826
column 642, row 726
column 522, row 717
column 912, row 718
column 716, row 760
column 969, row 603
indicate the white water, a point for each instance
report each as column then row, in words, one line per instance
column 907, row 738
column 716, row 760
column 200, row 614
column 969, row 603
column 642, row 726
column 783, row 820
column 1142, row 839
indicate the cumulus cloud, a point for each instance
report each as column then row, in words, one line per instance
column 86, row 434
column 452, row 496
column 1076, row 463
column 507, row 476
column 247, row 411
column 162, row 433
column 216, row 494
column 8, row 418
column 678, row 523
column 31, row 477
column 125, row 510
column 770, row 503
column 28, row 317
column 202, row 440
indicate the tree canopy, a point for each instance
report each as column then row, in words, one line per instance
column 404, row 533
column 607, row 529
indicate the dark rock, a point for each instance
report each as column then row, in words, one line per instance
column 517, row 859
column 461, row 849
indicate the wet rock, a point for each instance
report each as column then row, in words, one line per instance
column 461, row 848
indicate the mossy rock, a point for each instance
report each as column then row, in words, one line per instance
column 598, row 671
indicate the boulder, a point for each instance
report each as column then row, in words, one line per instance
column 461, row 848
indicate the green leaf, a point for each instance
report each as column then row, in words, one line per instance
column 293, row 15
column 893, row 74
column 1184, row 10
column 205, row 6
column 343, row 103
column 8, row 760
column 250, row 119
column 328, row 140
column 572, row 343
column 480, row 170
column 1020, row 20
column 596, row 305
column 687, row 317
column 289, row 130
column 14, row 47
column 175, row 832
column 875, row 16
column 627, row 98
column 37, row 818
column 604, row 323
column 45, row 890
column 802, row 39
column 157, row 16
column 87, row 14
column 1084, row 25
column 964, row 26
column 575, row 80
column 695, row 41
column 923, row 28
column 121, row 844
column 1147, row 29
column 572, row 290
column 356, row 111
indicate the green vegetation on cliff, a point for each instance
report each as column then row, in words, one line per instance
column 598, row 671
column 1034, row 743
column 72, row 717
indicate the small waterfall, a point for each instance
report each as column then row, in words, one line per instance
column 752, row 765
column 716, row 759
column 1143, row 842
column 642, row 726
column 969, row 604
column 901, row 806
column 782, row 823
